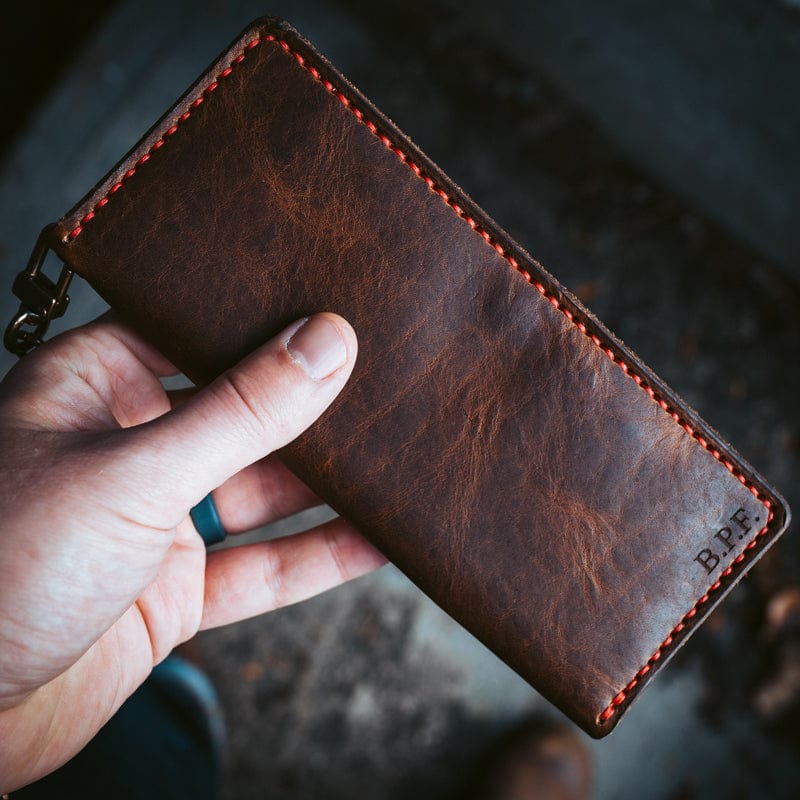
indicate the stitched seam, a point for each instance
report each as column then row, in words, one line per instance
column 162, row 139
column 621, row 696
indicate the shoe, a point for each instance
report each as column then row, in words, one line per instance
column 537, row 760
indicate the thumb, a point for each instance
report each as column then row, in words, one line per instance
column 258, row 406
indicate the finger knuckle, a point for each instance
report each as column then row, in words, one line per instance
column 274, row 570
column 337, row 557
column 257, row 411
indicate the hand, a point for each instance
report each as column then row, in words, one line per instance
column 102, row 573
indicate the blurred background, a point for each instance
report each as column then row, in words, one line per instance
column 647, row 154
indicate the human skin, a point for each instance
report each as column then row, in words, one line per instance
column 103, row 573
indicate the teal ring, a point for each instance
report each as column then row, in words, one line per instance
column 206, row 519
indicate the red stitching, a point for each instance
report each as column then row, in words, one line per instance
column 622, row 695
column 170, row 131
column 620, row 698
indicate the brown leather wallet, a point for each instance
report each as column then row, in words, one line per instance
column 512, row 456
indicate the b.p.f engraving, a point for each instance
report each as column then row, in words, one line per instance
column 724, row 540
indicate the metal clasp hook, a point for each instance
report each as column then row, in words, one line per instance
column 42, row 300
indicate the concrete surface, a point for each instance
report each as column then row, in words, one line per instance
column 370, row 689
column 714, row 85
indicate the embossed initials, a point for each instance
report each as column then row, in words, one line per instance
column 708, row 559
column 726, row 539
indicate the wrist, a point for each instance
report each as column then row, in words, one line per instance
column 25, row 730
column 55, row 722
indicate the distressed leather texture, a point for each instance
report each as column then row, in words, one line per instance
column 515, row 469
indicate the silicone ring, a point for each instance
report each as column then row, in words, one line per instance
column 206, row 519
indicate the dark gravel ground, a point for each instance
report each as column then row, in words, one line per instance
column 369, row 691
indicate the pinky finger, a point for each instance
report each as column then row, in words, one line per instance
column 245, row 581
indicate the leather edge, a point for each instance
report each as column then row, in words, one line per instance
column 130, row 163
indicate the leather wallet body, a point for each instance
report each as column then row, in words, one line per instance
column 514, row 458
